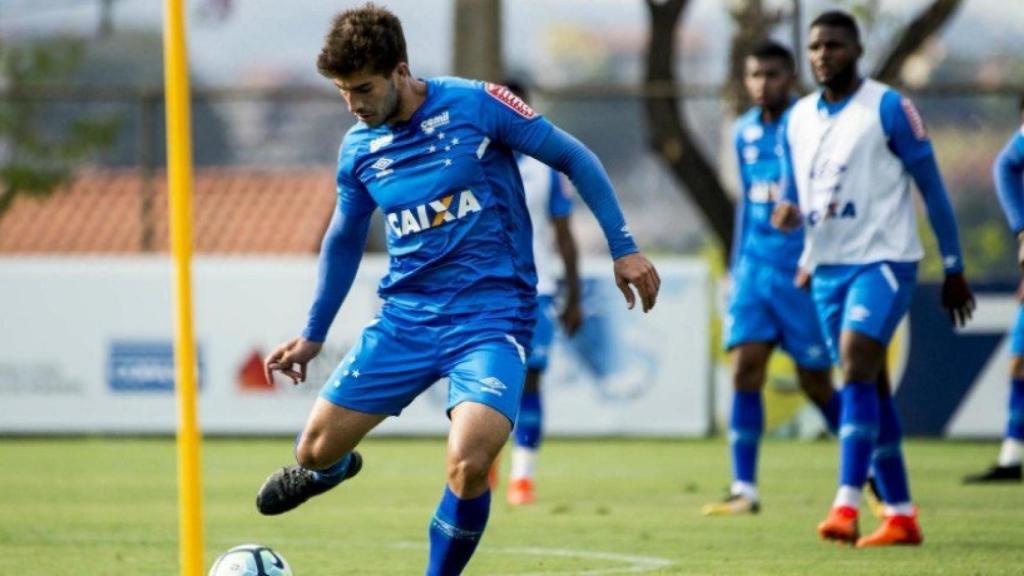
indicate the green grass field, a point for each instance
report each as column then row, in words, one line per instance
column 101, row 506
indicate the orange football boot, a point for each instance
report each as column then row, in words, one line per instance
column 895, row 530
column 840, row 526
column 520, row 492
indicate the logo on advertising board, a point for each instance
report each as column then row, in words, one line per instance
column 144, row 366
column 250, row 376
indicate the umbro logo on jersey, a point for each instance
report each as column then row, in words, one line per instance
column 509, row 98
column 433, row 214
column 434, row 122
column 382, row 164
column 381, row 141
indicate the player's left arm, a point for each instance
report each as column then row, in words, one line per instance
column 511, row 122
column 559, row 211
column 908, row 139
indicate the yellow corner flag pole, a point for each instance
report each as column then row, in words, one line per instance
column 179, row 185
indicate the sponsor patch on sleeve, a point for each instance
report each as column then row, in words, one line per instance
column 508, row 98
column 914, row 117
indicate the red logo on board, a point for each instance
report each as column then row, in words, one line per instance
column 250, row 376
column 508, row 98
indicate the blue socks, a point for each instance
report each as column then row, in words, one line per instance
column 745, row 428
column 858, row 431
column 335, row 473
column 528, row 424
column 831, row 412
column 890, row 471
column 1015, row 421
column 455, row 531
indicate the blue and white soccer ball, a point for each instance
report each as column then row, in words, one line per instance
column 250, row 560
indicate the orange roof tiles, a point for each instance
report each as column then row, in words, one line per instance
column 235, row 211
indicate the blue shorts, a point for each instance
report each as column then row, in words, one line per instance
column 870, row 299
column 767, row 307
column 543, row 334
column 396, row 359
column 1017, row 338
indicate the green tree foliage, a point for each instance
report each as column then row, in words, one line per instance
column 37, row 158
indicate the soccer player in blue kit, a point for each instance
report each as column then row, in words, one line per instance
column 550, row 208
column 851, row 150
column 1008, row 173
column 766, row 308
column 436, row 156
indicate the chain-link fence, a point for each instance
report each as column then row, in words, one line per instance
column 303, row 126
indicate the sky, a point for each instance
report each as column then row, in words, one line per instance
column 261, row 42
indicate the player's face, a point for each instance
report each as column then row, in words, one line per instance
column 833, row 53
column 371, row 97
column 768, row 81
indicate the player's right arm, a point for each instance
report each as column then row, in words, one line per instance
column 340, row 254
column 1008, row 173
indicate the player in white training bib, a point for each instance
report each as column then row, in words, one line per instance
column 851, row 150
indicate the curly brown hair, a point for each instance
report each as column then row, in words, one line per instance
column 369, row 37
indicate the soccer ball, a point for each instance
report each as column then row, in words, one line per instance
column 250, row 560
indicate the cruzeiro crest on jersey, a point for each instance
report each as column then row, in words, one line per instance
column 432, row 214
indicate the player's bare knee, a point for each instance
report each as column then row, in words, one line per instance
column 862, row 358
column 467, row 472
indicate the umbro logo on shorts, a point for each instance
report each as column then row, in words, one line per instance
column 492, row 385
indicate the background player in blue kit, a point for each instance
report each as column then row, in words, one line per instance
column 549, row 206
column 436, row 156
column 1008, row 172
column 766, row 308
column 851, row 150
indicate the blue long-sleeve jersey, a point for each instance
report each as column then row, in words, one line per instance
column 1008, row 173
column 458, row 230
column 758, row 146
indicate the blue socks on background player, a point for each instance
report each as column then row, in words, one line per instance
column 1015, row 419
column 746, row 426
column 858, row 431
column 455, row 531
column 529, row 422
column 887, row 459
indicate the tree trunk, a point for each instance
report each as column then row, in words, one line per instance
column 669, row 132
column 478, row 40
column 916, row 33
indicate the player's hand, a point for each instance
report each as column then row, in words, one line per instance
column 291, row 359
column 957, row 299
column 572, row 316
column 786, row 216
column 636, row 270
column 802, row 279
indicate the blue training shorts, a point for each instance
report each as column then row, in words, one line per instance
column 767, row 307
column 870, row 299
column 543, row 334
column 1017, row 338
column 397, row 358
